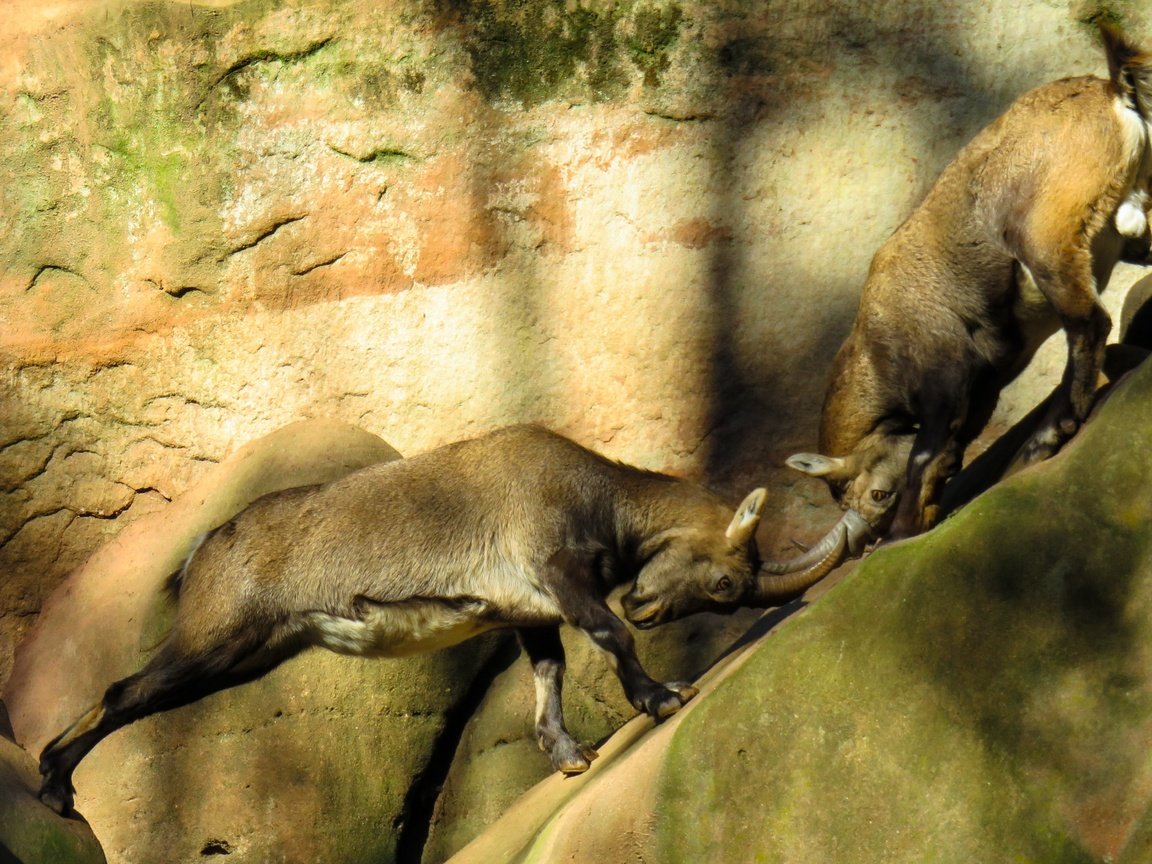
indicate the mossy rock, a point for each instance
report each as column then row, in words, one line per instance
column 981, row 693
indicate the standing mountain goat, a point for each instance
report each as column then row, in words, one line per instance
column 521, row 528
column 1015, row 239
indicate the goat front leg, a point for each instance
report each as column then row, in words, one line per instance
column 573, row 576
column 611, row 635
column 934, row 459
column 546, row 653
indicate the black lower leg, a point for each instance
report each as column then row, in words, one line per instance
column 59, row 759
column 168, row 681
column 934, row 458
column 546, row 653
column 645, row 693
column 1087, row 333
column 572, row 575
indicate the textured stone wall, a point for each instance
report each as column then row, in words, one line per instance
column 643, row 223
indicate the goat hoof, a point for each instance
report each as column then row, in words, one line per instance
column 1043, row 445
column 668, row 700
column 682, row 689
column 57, row 798
column 571, row 758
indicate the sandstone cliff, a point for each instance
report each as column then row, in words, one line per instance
column 644, row 223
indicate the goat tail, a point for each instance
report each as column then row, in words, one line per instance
column 1129, row 68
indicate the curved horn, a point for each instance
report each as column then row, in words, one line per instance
column 780, row 581
column 852, row 524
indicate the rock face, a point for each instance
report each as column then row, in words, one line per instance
column 644, row 223
column 497, row 758
column 113, row 610
column 981, row 693
column 360, row 747
column 338, row 739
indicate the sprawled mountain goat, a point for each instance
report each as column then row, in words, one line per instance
column 1015, row 239
column 521, row 528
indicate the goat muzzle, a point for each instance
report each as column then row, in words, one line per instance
column 643, row 614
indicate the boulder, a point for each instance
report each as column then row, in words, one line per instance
column 644, row 223
column 497, row 758
column 113, row 610
column 980, row 693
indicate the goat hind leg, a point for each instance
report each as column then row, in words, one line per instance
column 123, row 702
column 170, row 679
column 60, row 756
column 1068, row 281
column 1075, row 396
column 546, row 653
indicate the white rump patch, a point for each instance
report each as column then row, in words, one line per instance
column 1135, row 130
column 1131, row 220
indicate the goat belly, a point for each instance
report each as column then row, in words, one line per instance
column 400, row 628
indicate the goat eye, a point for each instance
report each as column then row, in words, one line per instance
column 881, row 495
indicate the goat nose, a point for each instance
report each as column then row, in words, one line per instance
column 644, row 615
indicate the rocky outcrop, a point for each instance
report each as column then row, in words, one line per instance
column 339, row 740
column 981, row 693
column 497, row 759
column 114, row 609
column 642, row 223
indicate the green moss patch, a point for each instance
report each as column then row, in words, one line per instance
column 532, row 52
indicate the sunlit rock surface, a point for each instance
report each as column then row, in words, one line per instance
column 642, row 223
column 309, row 762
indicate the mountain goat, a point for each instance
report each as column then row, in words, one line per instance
column 1015, row 239
column 521, row 528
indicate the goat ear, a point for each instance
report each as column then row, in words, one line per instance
column 815, row 465
column 747, row 518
